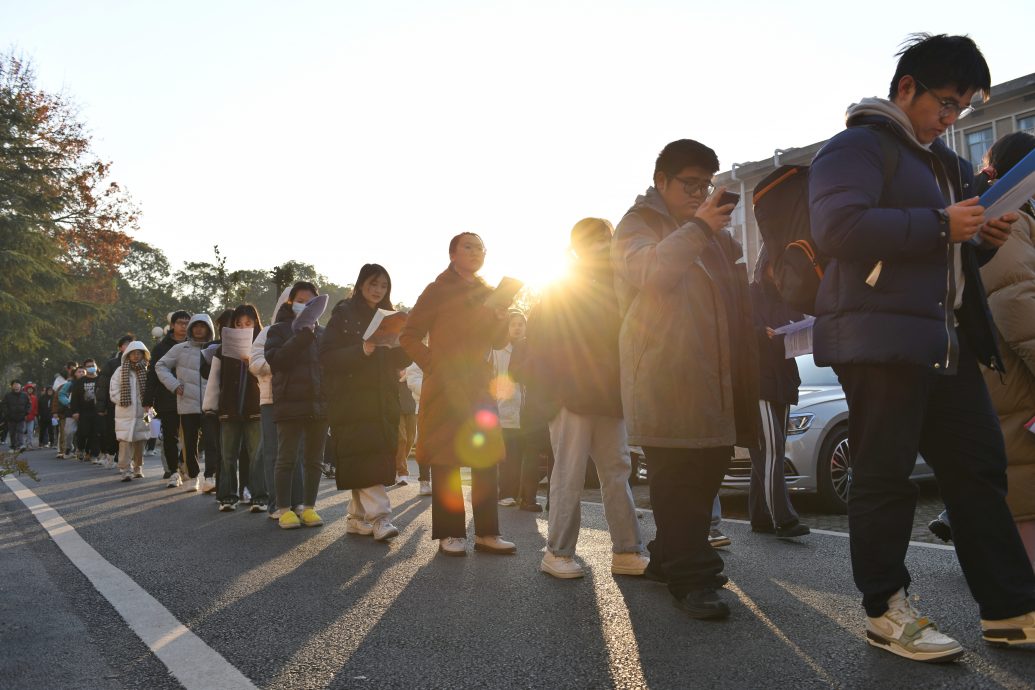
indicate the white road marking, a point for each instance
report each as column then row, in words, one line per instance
column 192, row 662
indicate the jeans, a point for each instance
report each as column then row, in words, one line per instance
column 268, row 457
column 294, row 437
column 896, row 410
column 769, row 504
column 233, row 435
column 448, row 518
column 574, row 438
column 16, row 433
column 29, row 439
column 684, row 483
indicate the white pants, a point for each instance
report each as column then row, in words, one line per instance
column 370, row 504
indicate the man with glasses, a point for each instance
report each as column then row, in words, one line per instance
column 688, row 360
column 163, row 401
column 902, row 317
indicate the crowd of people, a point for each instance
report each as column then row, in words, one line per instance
column 656, row 339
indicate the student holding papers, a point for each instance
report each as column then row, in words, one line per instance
column 361, row 379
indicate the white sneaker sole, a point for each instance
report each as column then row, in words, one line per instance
column 944, row 656
column 562, row 574
column 390, row 534
column 619, row 570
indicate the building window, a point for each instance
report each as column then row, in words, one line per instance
column 1026, row 124
column 978, row 143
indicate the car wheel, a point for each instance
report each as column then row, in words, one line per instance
column 834, row 472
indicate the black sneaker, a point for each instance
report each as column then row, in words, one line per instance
column 531, row 507
column 793, row 529
column 763, row 529
column 655, row 574
column 940, row 530
column 166, row 474
column 703, row 604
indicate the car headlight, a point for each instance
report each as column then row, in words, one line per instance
column 799, row 423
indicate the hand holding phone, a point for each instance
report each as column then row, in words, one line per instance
column 729, row 198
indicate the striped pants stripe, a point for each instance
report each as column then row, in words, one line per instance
column 768, row 502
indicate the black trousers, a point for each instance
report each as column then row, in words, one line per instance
column 88, row 434
column 683, row 486
column 109, row 444
column 519, row 471
column 769, row 504
column 170, row 439
column 448, row 518
column 896, row 410
column 200, row 431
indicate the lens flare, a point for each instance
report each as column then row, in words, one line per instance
column 486, row 419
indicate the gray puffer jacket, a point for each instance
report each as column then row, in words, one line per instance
column 184, row 364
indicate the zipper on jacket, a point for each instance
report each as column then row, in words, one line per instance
column 948, row 312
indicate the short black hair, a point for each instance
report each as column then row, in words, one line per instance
column 685, row 153
column 88, row 360
column 14, row 381
column 1008, row 152
column 128, row 338
column 177, row 315
column 373, row 271
column 941, row 60
column 251, row 312
column 302, row 285
column 71, row 364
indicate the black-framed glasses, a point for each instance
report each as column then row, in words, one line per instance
column 696, row 185
column 949, row 105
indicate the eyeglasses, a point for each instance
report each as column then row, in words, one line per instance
column 950, row 106
column 696, row 186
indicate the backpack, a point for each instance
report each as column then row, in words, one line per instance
column 781, row 203
column 65, row 394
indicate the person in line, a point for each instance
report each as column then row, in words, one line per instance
column 268, row 445
column 233, row 396
column 105, row 408
column 769, row 503
column 362, row 381
column 902, row 317
column 16, row 408
column 46, row 402
column 1009, row 278
column 62, row 408
column 413, row 377
column 458, row 424
column 688, row 362
column 183, row 370
column 30, row 418
column 58, row 408
column 84, row 412
column 298, row 407
column 164, row 402
column 407, row 429
column 126, row 390
column 573, row 342
column 519, row 471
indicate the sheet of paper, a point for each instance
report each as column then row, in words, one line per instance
column 1012, row 190
column 385, row 327
column 237, row 342
column 797, row 337
column 503, row 296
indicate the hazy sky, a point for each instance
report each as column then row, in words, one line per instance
column 340, row 133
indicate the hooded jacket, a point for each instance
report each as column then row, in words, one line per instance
column 907, row 315
column 127, row 417
column 258, row 365
column 1010, row 281
column 232, row 391
column 184, row 364
column 294, row 361
column 689, row 365
column 156, row 395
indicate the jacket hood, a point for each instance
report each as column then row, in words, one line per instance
column 284, row 296
column 135, row 345
column 651, row 199
column 869, row 109
column 200, row 318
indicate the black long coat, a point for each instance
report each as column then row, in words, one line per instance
column 362, row 398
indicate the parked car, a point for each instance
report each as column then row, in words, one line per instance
column 817, row 457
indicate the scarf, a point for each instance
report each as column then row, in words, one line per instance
column 125, row 393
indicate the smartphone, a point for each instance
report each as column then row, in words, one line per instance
column 729, row 198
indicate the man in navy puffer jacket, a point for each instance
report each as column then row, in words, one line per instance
column 902, row 317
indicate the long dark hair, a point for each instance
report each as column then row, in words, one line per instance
column 251, row 312
column 366, row 273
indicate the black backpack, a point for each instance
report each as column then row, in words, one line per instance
column 781, row 202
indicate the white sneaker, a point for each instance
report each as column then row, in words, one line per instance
column 127, row 476
column 174, row 481
column 425, row 489
column 494, row 544
column 96, row 461
column 208, row 485
column 385, row 530
column 562, row 567
column 903, row 631
column 138, row 473
column 402, row 480
column 355, row 525
column 629, row 563
column 198, row 481
column 507, row 502
column 453, row 546
column 246, row 495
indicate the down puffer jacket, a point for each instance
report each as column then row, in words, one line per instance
column 184, row 364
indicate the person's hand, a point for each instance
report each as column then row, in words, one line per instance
column 368, row 348
column 716, row 217
column 770, row 333
column 179, row 389
column 965, row 219
column 996, row 232
column 76, row 416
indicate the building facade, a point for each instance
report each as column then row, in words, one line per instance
column 1011, row 108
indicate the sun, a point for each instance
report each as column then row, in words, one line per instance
column 537, row 267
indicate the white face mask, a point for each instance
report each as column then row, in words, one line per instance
column 298, row 307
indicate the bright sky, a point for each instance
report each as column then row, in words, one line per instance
column 341, row 133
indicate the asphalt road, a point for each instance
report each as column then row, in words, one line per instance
column 317, row 608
